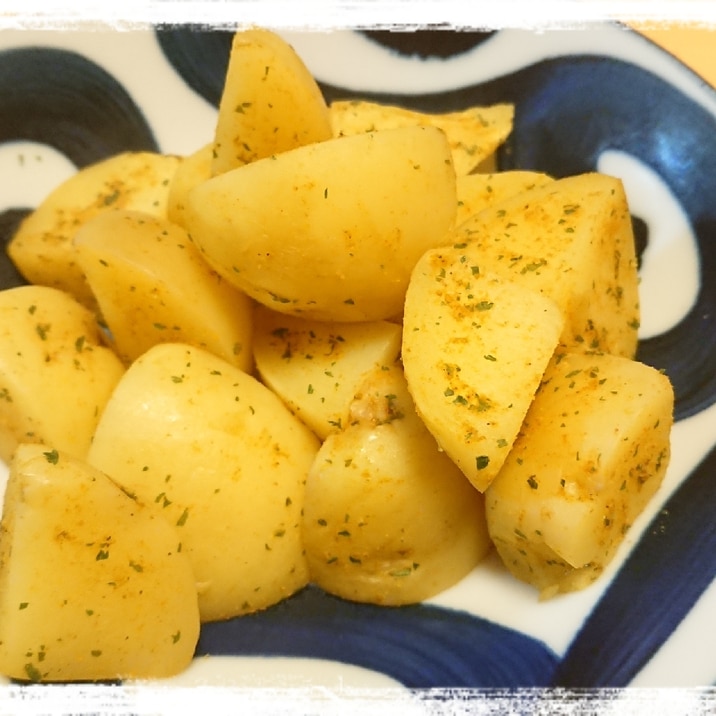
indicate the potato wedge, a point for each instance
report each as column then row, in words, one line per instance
column 475, row 347
column 332, row 230
column 192, row 170
column 223, row 459
column 93, row 585
column 473, row 134
column 316, row 367
column 593, row 450
column 388, row 518
column 476, row 192
column 55, row 373
column 153, row 286
column 270, row 102
column 42, row 247
column 571, row 240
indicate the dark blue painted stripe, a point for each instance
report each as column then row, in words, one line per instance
column 62, row 99
column 429, row 43
column 669, row 569
column 420, row 646
column 9, row 221
column 200, row 56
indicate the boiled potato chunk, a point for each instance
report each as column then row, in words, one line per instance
column 592, row 452
column 55, row 374
column 153, row 286
column 571, row 240
column 389, row 519
column 332, row 230
column 42, row 247
column 316, row 367
column 193, row 169
column 475, row 347
column 93, row 585
column 270, row 102
column 474, row 133
column 476, row 192
column 222, row 458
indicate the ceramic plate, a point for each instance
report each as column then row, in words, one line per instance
column 601, row 98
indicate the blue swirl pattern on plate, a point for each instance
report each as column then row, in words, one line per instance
column 569, row 109
column 63, row 100
column 419, row 646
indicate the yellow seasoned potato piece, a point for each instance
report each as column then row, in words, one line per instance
column 93, row 585
column 389, row 518
column 571, row 240
column 192, row 170
column 473, row 134
column 592, row 452
column 332, row 230
column 475, row 347
column 55, row 374
column 316, row 367
column 223, row 459
column 42, row 247
column 270, row 102
column 153, row 286
column 476, row 192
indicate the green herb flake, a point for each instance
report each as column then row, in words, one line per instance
column 53, row 457
column 33, row 673
column 482, row 461
column 23, row 605
column 532, row 482
column 183, row 517
column 405, row 572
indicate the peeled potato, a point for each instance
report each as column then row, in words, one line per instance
column 93, row 585
column 572, row 240
column 152, row 286
column 592, row 452
column 270, row 102
column 389, row 518
column 42, row 247
column 329, row 231
column 476, row 192
column 475, row 347
column 56, row 374
column 473, row 133
column 316, row 367
column 221, row 457
column 193, row 169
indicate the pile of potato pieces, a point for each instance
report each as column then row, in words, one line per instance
column 332, row 352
